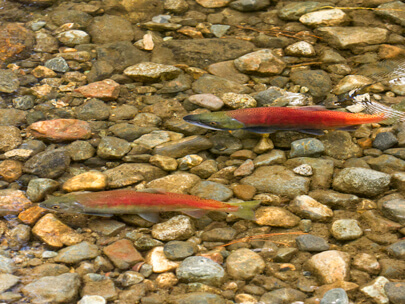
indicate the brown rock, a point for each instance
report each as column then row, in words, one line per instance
column 54, row 233
column 276, row 216
column 213, row 3
column 92, row 180
column 10, row 137
column 107, row 89
column 16, row 42
column 227, row 70
column 331, row 266
column 10, row 170
column 123, row 254
column 387, row 51
column 60, row 129
column 31, row 215
column 177, row 183
column 244, row 192
column 13, row 201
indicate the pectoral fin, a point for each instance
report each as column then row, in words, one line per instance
column 195, row 213
column 152, row 217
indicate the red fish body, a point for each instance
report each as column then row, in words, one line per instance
column 133, row 202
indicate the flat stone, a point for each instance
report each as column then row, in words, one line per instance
column 106, row 89
column 335, row 295
column 212, row 190
column 49, row 164
column 200, row 269
column 317, row 81
column 97, row 284
column 151, row 72
column 73, row 37
column 276, row 217
column 106, row 227
column 263, row 62
column 306, row 207
column 306, row 147
column 12, row 117
column 13, row 202
column 395, row 292
column 76, row 253
column 198, row 297
column 7, row 281
column 110, row 28
column 226, row 69
column 17, row 42
column 123, row 254
column 330, row 266
column 88, row 181
column 346, row 229
column 244, row 264
column 60, row 129
column 394, row 210
column 333, row 199
column 10, row 138
column 397, row 250
column 177, row 183
column 182, row 147
column 327, row 17
column 112, row 147
column 179, row 250
column 177, row 228
column 8, row 81
column 294, row 10
column 313, row 243
column 211, row 84
column 38, row 188
column 288, row 295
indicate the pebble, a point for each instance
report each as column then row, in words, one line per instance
column 151, row 72
column 238, row 101
column 335, row 295
column 309, row 242
column 177, row 183
column 211, row 190
column 76, row 253
column 346, row 229
column 276, row 216
column 244, row 264
column 395, row 292
column 303, row 170
column 375, row 290
column 227, row 70
column 189, row 161
column 204, row 297
column 112, row 147
column 306, row 147
column 178, row 250
column 361, row 181
column 306, row 207
column 262, row 62
column 164, row 162
column 130, row 278
column 300, row 49
column 88, row 181
column 394, row 210
column 48, row 164
column 397, row 250
column 57, row 64
column 10, row 170
column 384, row 141
column 177, row 228
column 157, row 259
column 288, row 295
column 208, row 101
column 202, row 270
column 38, row 188
column 60, row 130
column 123, row 254
column 330, row 266
column 366, row 262
column 8, row 81
column 13, row 201
column 96, row 284
column 184, row 146
column 10, row 138
column 80, row 150
column 106, row 89
column 58, row 289
column 219, row 235
column 275, row 157
column 94, row 299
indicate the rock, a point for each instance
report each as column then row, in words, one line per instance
column 177, row 228
column 19, row 236
column 334, row 199
column 201, row 52
column 209, row 101
column 13, row 201
column 113, row 148
column 176, row 6
column 366, row 262
column 309, row 242
column 317, row 81
column 97, row 284
column 106, row 226
column 335, row 295
column 392, row 11
column 202, row 270
column 106, row 89
column 12, row 117
column 262, row 62
column 123, row 254
column 210, row 84
column 73, row 37
column 80, row 150
column 392, row 269
column 306, row 147
column 387, row 163
column 276, row 216
column 277, row 180
column 275, row 157
column 249, row 5
column 226, row 69
column 50, row 164
column 57, row 289
column 57, row 64
column 157, row 259
column 199, row 297
column 55, row 233
column 129, row 278
column 306, row 207
column 397, row 250
column 16, row 42
column 10, row 170
column 179, row 250
column 349, row 37
column 394, row 210
column 151, row 72
column 384, row 140
column 6, row 265
column 7, row 281
column 303, row 170
column 300, row 49
column 62, row 16
column 182, row 147
column 94, row 109
column 60, row 130
column 154, row 139
column 283, row 295
column 364, row 182
column 225, row 144
column 211, row 190
column 375, row 290
column 189, row 161
column 244, row 264
column 395, row 292
column 177, row 183
column 219, row 235
column 330, row 266
column 8, row 81
column 76, row 253
column 92, row 300
column 238, row 101
column 109, row 28
column 38, row 188
column 327, row 17
column 346, row 229
column 294, row 10
column 10, row 138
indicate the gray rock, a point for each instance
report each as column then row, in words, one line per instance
column 200, row 52
column 219, row 30
column 112, row 147
column 12, row 117
column 59, row 289
column 219, row 235
column 49, row 164
column 283, row 295
column 76, row 253
column 10, row 138
column 80, row 150
column 106, row 227
column 333, row 199
column 184, row 146
column 19, row 236
column 392, row 11
column 109, row 28
column 94, row 109
column 317, row 81
column 57, row 64
column 395, row 292
column 294, row 10
column 6, row 265
column 7, row 281
column 62, row 16
column 397, row 152
column 198, row 298
column 277, row 180
column 8, row 81
column 177, row 228
column 249, row 5
column 394, row 210
column 38, row 188
column 309, row 242
column 346, row 229
column 178, row 250
column 384, row 140
column 211, row 84
column 306, row 147
column 205, row 169
column 129, row 131
column 212, row 190
column 386, row 163
column 397, row 250
column 202, row 270
column 335, row 295
column 275, row 157
column 24, row 102
column 364, row 182
column 244, row 264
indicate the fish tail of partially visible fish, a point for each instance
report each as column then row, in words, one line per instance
column 391, row 115
column 246, row 209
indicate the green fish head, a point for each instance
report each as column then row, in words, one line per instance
column 214, row 121
column 64, row 204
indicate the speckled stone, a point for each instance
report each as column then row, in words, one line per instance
column 177, row 228
column 244, row 264
column 309, row 242
column 346, row 229
column 200, row 269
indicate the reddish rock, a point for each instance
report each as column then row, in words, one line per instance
column 16, row 42
column 31, row 215
column 10, row 170
column 60, row 129
column 107, row 89
column 123, row 254
column 13, row 201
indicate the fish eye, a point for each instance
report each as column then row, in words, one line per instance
column 56, row 207
column 213, row 123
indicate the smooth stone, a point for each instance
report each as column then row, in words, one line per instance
column 200, row 269
column 49, row 164
column 212, row 190
column 306, row 207
column 294, row 10
column 249, row 5
column 73, row 37
column 184, row 146
column 225, row 144
column 311, row 242
column 57, row 64
column 238, row 101
column 397, row 250
column 219, row 235
column 274, row 157
column 110, row 28
column 93, row 299
column 123, row 254
column 10, row 138
column 177, row 183
column 76, row 253
column 159, row 262
column 88, row 181
column 330, row 266
column 283, row 295
column 80, row 150
column 306, row 147
column 375, row 290
column 106, row 227
column 12, row 117
column 394, row 210
column 211, row 84
column 386, row 163
column 226, row 69
column 346, row 229
column 177, row 228
column 317, row 81
column 384, row 140
column 209, row 101
column 244, row 264
column 300, row 49
column 263, row 62
column 366, row 262
column 198, row 297
column 8, row 81
column 112, row 147
column 151, row 72
column 327, row 17
column 395, row 292
column 178, row 250
column 7, row 281
column 334, row 199
column 276, row 216
column 335, row 295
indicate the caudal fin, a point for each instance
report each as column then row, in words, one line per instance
column 391, row 115
column 245, row 209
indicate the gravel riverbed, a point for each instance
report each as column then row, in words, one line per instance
column 92, row 95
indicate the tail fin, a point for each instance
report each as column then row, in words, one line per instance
column 391, row 115
column 245, row 209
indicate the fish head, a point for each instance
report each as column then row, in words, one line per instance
column 214, row 121
column 63, row 204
